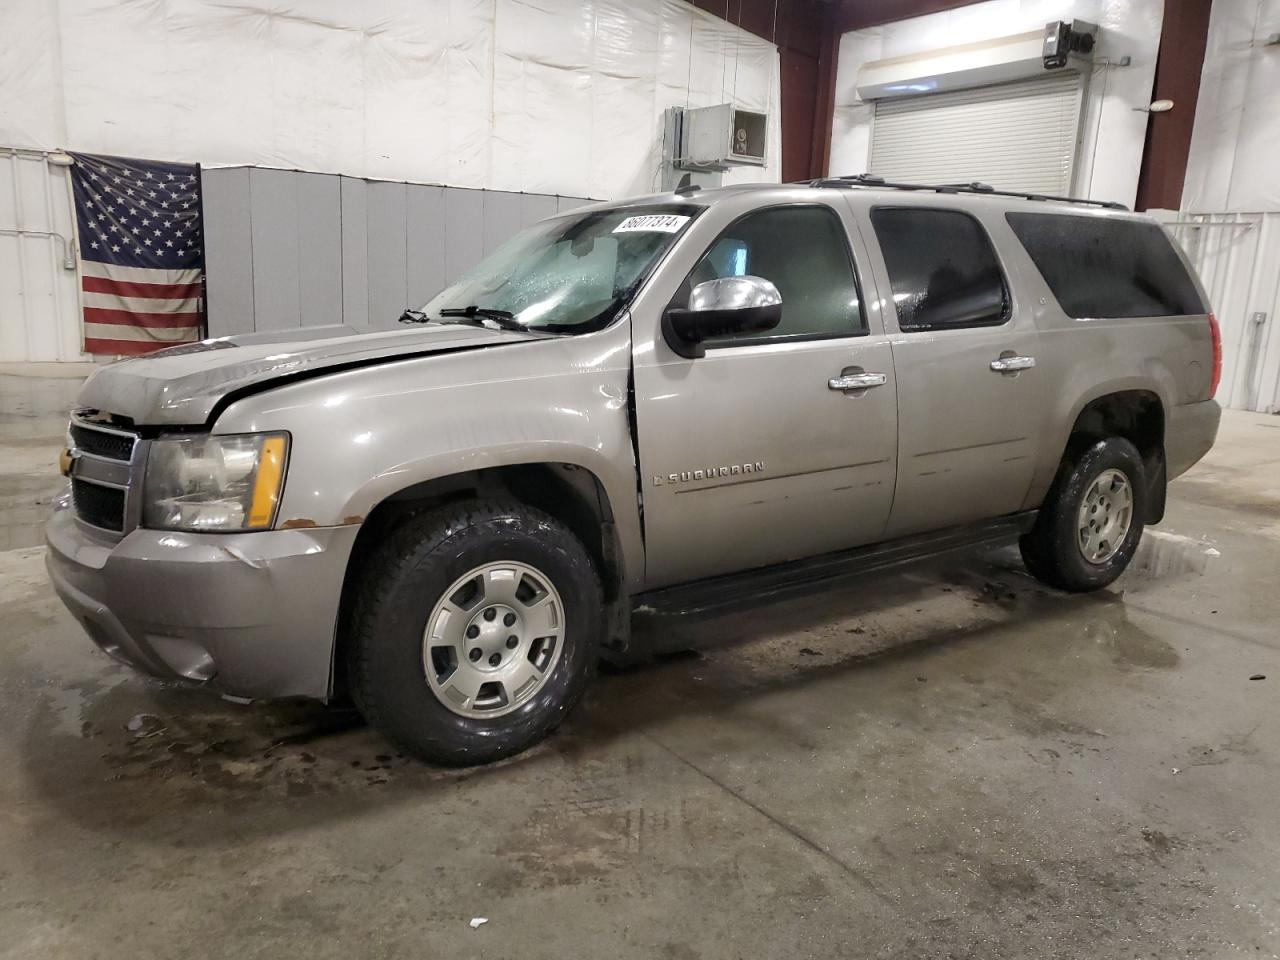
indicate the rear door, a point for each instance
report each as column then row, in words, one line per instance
column 970, row 401
column 751, row 455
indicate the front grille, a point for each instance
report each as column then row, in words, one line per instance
column 98, row 443
column 97, row 505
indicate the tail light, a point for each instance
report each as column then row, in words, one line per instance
column 1216, row 377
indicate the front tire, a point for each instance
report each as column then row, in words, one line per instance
column 1092, row 519
column 475, row 630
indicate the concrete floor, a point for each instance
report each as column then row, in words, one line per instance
column 951, row 762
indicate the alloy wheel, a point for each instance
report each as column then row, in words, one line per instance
column 1106, row 513
column 493, row 639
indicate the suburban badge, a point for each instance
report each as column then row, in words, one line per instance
column 708, row 473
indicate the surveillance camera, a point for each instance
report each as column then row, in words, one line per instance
column 1062, row 39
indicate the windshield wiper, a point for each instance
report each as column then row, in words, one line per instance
column 503, row 318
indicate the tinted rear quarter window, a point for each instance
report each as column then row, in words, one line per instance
column 1107, row 267
column 942, row 268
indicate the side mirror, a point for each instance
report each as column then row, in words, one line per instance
column 718, row 308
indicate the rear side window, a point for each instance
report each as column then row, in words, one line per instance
column 1104, row 267
column 941, row 267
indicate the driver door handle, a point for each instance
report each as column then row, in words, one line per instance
column 857, row 381
column 1012, row 364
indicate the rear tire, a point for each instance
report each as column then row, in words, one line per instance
column 1092, row 519
column 455, row 615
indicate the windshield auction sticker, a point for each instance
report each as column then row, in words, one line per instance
column 652, row 223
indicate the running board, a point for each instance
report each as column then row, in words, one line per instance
column 714, row 593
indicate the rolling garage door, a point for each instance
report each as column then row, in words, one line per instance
column 1014, row 136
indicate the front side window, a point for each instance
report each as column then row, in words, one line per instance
column 801, row 250
column 1107, row 267
column 942, row 269
column 572, row 274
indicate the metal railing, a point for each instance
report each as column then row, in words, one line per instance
column 980, row 189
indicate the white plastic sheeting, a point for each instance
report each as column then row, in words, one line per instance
column 1235, row 146
column 1112, row 132
column 542, row 96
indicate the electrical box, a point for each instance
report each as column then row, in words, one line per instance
column 720, row 137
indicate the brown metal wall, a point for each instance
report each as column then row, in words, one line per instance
column 801, row 29
column 1178, row 66
column 856, row 14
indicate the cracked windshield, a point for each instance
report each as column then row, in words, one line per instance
column 572, row 274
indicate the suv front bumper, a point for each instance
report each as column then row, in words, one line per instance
column 253, row 614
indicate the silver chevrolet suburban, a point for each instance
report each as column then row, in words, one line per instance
column 675, row 401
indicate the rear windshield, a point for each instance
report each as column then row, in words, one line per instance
column 1104, row 267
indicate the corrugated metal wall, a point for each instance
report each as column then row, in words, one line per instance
column 1238, row 258
column 39, row 288
column 287, row 249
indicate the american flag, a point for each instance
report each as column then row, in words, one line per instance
column 140, row 252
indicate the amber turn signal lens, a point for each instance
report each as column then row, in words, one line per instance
column 266, row 486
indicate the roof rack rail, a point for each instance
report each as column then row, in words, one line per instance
column 985, row 189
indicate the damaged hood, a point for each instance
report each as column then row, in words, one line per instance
column 182, row 385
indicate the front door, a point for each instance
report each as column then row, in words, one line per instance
column 970, row 400
column 752, row 455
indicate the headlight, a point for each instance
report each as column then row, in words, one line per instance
column 214, row 482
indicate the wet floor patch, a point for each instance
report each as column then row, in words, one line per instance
column 195, row 746
column 1128, row 644
column 928, row 758
column 905, row 614
column 129, row 734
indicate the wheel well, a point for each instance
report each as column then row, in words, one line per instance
column 1138, row 416
column 571, row 494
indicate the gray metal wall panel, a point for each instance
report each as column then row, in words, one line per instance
column 228, row 253
column 286, row 249
column 355, row 251
column 320, row 249
column 463, row 231
column 535, row 207
column 275, row 249
column 503, row 218
column 426, row 243
column 388, row 235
